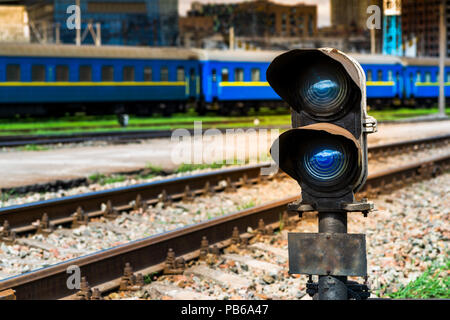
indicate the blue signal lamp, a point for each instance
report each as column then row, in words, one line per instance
column 326, row 151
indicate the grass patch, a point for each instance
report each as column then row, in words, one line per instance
column 113, row 179
column 96, row 177
column 433, row 283
column 281, row 222
column 403, row 113
column 103, row 179
column 83, row 123
column 145, row 176
column 33, row 147
column 154, row 169
column 7, row 195
column 187, row 167
column 247, row 205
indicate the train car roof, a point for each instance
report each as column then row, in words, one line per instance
column 376, row 59
column 268, row 56
column 240, row 55
column 170, row 53
column 423, row 61
column 90, row 51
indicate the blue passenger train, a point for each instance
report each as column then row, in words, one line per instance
column 60, row 79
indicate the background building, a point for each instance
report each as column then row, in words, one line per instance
column 193, row 30
column 349, row 19
column 14, row 24
column 392, row 28
column 420, row 20
column 258, row 21
column 122, row 22
column 351, row 14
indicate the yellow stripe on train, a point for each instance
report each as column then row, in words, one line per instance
column 92, row 84
column 266, row 84
column 430, row 84
column 244, row 84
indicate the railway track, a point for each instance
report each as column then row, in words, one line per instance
column 147, row 256
column 110, row 136
column 117, row 136
column 27, row 217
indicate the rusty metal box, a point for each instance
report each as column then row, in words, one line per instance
column 338, row 254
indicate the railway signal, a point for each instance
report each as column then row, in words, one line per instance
column 326, row 152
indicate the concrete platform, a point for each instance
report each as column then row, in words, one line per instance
column 19, row 168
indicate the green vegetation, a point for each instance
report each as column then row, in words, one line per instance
column 148, row 278
column 7, row 195
column 247, row 205
column 84, row 123
column 185, row 167
column 281, row 222
column 403, row 113
column 433, row 283
column 33, row 147
column 264, row 118
column 96, row 177
column 145, row 176
column 103, row 179
column 154, row 169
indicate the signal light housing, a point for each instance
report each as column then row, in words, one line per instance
column 326, row 152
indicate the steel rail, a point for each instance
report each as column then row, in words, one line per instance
column 117, row 136
column 107, row 265
column 409, row 144
column 60, row 210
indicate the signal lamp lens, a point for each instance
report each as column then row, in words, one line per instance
column 325, row 163
column 323, row 94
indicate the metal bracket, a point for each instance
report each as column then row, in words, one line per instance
column 370, row 124
column 298, row 206
column 363, row 206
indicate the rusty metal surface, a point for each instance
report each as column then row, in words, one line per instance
column 24, row 215
column 59, row 210
column 100, row 267
column 404, row 174
column 415, row 142
column 338, row 254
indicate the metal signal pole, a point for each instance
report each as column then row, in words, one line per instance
column 442, row 56
column 332, row 287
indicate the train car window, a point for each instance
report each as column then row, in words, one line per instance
column 107, row 73
column 85, row 73
column 148, row 74
column 427, row 77
column 390, row 76
column 128, row 73
column 225, row 75
column 380, row 75
column 214, row 75
column 238, row 74
column 13, row 72
column 418, row 76
column 256, row 74
column 180, row 74
column 62, row 73
column 369, row 75
column 164, row 74
column 448, row 77
column 37, row 73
